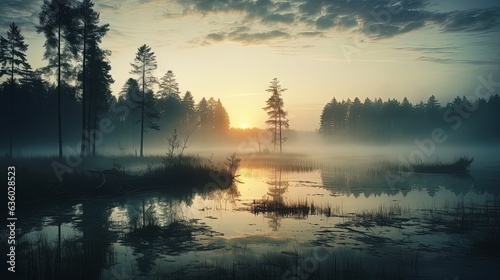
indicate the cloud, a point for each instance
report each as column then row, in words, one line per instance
column 453, row 61
column 324, row 22
column 378, row 19
column 23, row 13
column 429, row 50
column 471, row 20
column 310, row 34
column 215, row 36
column 275, row 18
column 243, row 35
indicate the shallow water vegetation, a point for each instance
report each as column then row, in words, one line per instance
column 478, row 225
column 458, row 166
column 393, row 215
column 285, row 162
column 299, row 208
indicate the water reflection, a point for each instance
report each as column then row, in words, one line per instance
column 277, row 187
column 88, row 238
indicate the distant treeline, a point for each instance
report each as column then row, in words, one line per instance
column 463, row 120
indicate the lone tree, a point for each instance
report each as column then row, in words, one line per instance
column 13, row 63
column 277, row 120
column 143, row 66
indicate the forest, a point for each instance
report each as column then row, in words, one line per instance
column 468, row 121
column 69, row 99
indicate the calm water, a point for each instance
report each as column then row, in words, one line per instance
column 199, row 233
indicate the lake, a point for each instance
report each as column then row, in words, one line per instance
column 291, row 219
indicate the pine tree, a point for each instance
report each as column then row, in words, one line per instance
column 277, row 120
column 221, row 119
column 143, row 66
column 168, row 85
column 91, row 34
column 170, row 107
column 188, row 109
column 204, row 115
column 58, row 22
column 13, row 63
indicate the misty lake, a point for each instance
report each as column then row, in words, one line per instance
column 293, row 220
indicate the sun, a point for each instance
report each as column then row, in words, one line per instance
column 244, row 125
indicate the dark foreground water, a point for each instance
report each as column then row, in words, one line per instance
column 277, row 223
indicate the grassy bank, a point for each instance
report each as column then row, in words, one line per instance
column 38, row 177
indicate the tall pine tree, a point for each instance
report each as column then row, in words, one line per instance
column 144, row 66
column 277, row 120
column 13, row 63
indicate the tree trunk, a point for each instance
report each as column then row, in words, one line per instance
column 59, row 81
column 84, row 148
column 94, row 124
column 279, row 112
column 11, row 102
column 142, row 106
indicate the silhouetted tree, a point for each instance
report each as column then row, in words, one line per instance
column 169, row 101
column 143, row 66
column 204, row 115
column 13, row 63
column 188, row 110
column 99, row 88
column 277, row 120
column 58, row 21
column 91, row 34
column 221, row 119
column 168, row 85
column 130, row 98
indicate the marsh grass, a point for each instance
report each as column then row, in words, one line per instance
column 458, row 166
column 285, row 162
column 299, row 208
column 478, row 225
column 392, row 215
column 39, row 258
column 111, row 176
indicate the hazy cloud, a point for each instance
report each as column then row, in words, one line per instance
column 471, row 20
column 274, row 18
column 23, row 13
column 453, row 61
column 277, row 19
column 377, row 19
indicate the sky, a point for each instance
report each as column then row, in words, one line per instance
column 318, row 49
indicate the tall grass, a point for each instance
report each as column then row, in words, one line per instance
column 104, row 176
column 457, row 166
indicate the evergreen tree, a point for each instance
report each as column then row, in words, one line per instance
column 58, row 21
column 130, row 98
column 13, row 63
column 188, row 110
column 169, row 103
column 221, row 119
column 204, row 115
column 98, row 77
column 277, row 120
column 168, row 85
column 143, row 66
